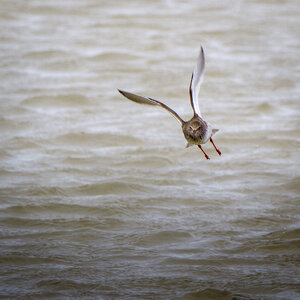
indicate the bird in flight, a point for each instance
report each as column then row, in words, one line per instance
column 196, row 131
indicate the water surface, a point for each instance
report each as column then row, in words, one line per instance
column 100, row 198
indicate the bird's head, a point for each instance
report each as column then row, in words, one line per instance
column 195, row 126
column 195, row 129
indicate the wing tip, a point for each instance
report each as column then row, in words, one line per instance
column 124, row 93
column 202, row 52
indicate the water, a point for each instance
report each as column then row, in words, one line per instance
column 100, row 198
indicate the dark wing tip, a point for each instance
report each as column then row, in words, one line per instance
column 123, row 93
column 202, row 52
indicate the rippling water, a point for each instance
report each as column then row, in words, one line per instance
column 100, row 198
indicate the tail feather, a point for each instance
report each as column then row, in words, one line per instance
column 214, row 130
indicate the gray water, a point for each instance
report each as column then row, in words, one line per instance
column 100, row 199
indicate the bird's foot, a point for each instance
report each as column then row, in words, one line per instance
column 219, row 152
column 206, row 156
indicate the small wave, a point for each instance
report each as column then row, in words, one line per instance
column 114, row 56
column 282, row 240
column 16, row 258
column 4, row 154
column 292, row 185
column 6, row 123
column 69, row 100
column 264, row 107
column 162, row 238
column 45, row 54
column 212, row 294
column 47, row 209
column 22, row 143
column 150, row 161
column 44, row 191
column 50, row 209
column 111, row 188
column 96, row 139
column 63, row 284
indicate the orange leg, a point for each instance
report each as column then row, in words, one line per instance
column 206, row 156
column 219, row 152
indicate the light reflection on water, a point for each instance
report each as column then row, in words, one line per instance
column 99, row 197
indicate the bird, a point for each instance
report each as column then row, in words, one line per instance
column 196, row 131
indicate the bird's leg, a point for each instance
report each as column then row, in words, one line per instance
column 206, row 156
column 219, row 152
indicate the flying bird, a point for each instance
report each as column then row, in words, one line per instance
column 196, row 131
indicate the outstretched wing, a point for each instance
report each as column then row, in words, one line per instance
column 150, row 101
column 196, row 81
